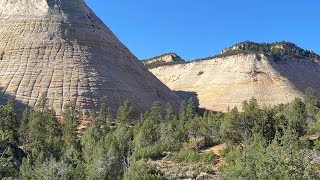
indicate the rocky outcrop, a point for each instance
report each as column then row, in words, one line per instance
column 169, row 57
column 62, row 49
column 222, row 82
column 165, row 59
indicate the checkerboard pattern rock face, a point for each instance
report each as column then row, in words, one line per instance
column 62, row 49
column 225, row 82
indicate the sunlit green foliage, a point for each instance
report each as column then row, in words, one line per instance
column 281, row 142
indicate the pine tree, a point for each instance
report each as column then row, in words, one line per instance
column 71, row 120
column 124, row 115
column 311, row 102
column 211, row 127
column 26, row 169
column 8, row 122
column 191, row 111
column 183, row 115
column 104, row 114
column 166, row 131
column 231, row 128
column 156, row 113
column 36, row 128
column 24, row 128
column 91, row 137
column 8, row 165
column 297, row 116
column 194, row 130
column 169, row 113
column 147, row 135
column 45, row 130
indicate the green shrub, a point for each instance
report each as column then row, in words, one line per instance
column 190, row 156
column 317, row 144
column 150, row 152
column 140, row 171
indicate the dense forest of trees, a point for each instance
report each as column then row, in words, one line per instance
column 263, row 143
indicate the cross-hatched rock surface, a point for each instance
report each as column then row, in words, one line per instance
column 62, row 49
column 219, row 83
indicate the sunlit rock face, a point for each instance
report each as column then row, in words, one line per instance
column 23, row 7
column 166, row 58
column 222, row 82
column 62, row 49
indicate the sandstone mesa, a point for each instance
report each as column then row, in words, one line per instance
column 223, row 82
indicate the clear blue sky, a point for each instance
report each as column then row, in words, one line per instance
column 201, row 28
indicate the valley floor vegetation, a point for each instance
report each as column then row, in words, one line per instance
column 281, row 142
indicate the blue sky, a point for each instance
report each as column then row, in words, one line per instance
column 201, row 28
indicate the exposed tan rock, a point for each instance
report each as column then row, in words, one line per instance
column 167, row 58
column 233, row 48
column 220, row 83
column 61, row 48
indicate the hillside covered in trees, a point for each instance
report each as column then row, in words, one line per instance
column 281, row 142
column 275, row 49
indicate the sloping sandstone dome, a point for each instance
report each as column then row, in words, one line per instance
column 222, row 82
column 62, row 49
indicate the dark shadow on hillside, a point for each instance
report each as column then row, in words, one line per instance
column 301, row 73
column 186, row 95
column 4, row 98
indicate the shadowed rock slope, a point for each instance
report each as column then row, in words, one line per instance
column 62, row 49
column 227, row 80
